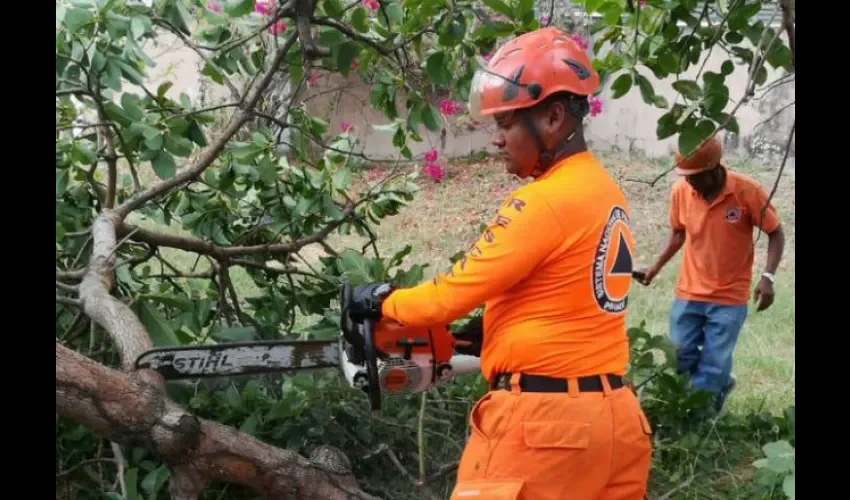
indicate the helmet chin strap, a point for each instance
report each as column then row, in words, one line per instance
column 547, row 155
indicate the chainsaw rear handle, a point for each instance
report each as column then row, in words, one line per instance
column 371, row 360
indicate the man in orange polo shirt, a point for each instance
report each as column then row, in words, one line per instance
column 713, row 213
column 553, row 270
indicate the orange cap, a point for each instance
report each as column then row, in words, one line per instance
column 706, row 157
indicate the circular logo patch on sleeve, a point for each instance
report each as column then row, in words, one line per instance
column 612, row 266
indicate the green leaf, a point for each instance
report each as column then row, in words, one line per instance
column 727, row 67
column 163, row 165
column 234, row 334
column 333, row 8
column 138, row 26
column 622, row 85
column 178, row 146
column 500, row 7
column 76, row 18
column 155, row 480
column 342, row 179
column 345, row 57
column 360, row 20
column 250, row 425
column 693, row 136
column 688, row 88
column 354, row 267
column 131, row 482
column 431, row 118
column 666, row 126
column 788, row 486
column 239, row 8
column 157, row 326
column 646, row 90
column 394, row 12
column 437, row 67
column 62, row 178
column 660, row 101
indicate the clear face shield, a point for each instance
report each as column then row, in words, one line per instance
column 486, row 95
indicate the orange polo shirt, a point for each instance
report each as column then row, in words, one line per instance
column 553, row 269
column 717, row 265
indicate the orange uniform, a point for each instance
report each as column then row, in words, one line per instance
column 712, row 272
column 553, row 268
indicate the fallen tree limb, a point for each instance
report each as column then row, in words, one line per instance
column 125, row 409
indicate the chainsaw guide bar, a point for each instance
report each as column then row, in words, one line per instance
column 240, row 358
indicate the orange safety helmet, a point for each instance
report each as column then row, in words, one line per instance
column 530, row 68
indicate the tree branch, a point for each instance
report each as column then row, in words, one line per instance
column 222, row 252
column 116, row 317
column 303, row 15
column 123, row 408
column 210, row 154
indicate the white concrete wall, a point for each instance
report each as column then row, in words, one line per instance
column 626, row 124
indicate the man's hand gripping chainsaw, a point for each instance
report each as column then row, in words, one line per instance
column 376, row 357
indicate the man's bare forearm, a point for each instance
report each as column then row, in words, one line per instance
column 677, row 239
column 775, row 248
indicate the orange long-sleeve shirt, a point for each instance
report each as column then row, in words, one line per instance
column 553, row 268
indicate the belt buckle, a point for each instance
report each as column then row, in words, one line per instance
column 503, row 382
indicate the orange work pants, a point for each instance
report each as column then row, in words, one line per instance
column 556, row 446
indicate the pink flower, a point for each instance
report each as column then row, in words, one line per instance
column 346, row 127
column 278, row 27
column 487, row 56
column 545, row 20
column 580, row 41
column 313, row 77
column 264, row 7
column 214, row 6
column 642, row 3
column 431, row 156
column 434, row 171
column 449, row 107
column 371, row 4
column 595, row 106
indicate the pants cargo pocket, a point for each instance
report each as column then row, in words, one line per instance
column 483, row 489
column 564, row 435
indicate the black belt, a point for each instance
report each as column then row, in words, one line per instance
column 541, row 383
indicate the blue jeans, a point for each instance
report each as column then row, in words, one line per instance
column 705, row 336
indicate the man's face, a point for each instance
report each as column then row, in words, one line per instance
column 706, row 183
column 515, row 142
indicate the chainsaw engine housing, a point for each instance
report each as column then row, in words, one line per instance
column 393, row 358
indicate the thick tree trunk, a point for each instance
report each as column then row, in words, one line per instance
column 125, row 408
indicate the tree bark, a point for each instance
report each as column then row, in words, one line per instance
column 124, row 408
column 132, row 407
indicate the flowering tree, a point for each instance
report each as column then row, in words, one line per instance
column 161, row 204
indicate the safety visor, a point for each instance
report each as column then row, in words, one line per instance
column 489, row 94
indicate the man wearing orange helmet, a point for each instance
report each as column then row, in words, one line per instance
column 713, row 213
column 553, row 269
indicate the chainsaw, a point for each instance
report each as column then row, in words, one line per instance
column 383, row 357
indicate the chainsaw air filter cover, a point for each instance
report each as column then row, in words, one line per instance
column 404, row 376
